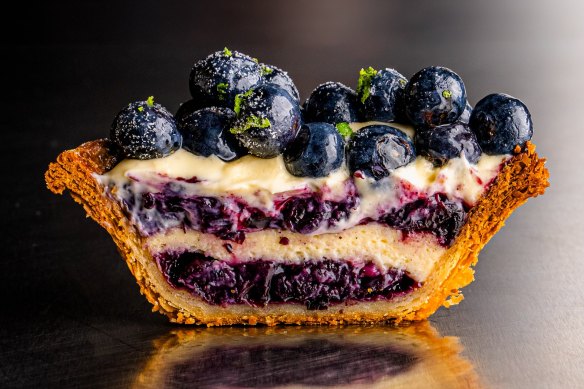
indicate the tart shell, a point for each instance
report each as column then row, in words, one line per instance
column 522, row 177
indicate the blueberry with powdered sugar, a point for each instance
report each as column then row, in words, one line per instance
column 217, row 79
column 267, row 120
column 145, row 130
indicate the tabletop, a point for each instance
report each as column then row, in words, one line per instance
column 72, row 315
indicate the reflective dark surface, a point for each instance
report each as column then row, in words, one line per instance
column 328, row 357
column 71, row 313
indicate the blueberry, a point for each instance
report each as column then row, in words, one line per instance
column 267, row 120
column 434, row 96
column 206, row 132
column 441, row 143
column 217, row 79
column 278, row 77
column 145, row 130
column 377, row 150
column 316, row 151
column 500, row 123
column 187, row 108
column 332, row 102
column 465, row 116
column 382, row 94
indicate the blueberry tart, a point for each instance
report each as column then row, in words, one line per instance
column 245, row 208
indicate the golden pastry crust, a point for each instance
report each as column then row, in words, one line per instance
column 523, row 176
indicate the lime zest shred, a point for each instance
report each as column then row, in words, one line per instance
column 222, row 90
column 364, row 83
column 446, row 93
column 140, row 109
column 150, row 101
column 227, row 52
column 266, row 70
column 252, row 121
column 344, row 129
column 255, row 60
column 239, row 99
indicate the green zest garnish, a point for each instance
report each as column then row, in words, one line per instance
column 364, row 83
column 251, row 121
column 344, row 129
column 266, row 70
column 222, row 90
column 446, row 93
column 150, row 101
column 239, row 99
column 255, row 60
column 227, row 52
column 140, row 109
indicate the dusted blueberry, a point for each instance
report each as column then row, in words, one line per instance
column 441, row 143
column 217, row 79
column 278, row 77
column 500, row 123
column 377, row 150
column 434, row 96
column 465, row 116
column 382, row 94
column 316, row 151
column 332, row 102
column 267, row 120
column 187, row 108
column 206, row 132
column 145, row 130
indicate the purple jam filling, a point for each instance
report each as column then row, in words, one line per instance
column 435, row 214
column 315, row 284
column 268, row 366
column 230, row 218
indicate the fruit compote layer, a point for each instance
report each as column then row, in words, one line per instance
column 313, row 283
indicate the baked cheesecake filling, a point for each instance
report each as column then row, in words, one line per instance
column 230, row 199
column 317, row 284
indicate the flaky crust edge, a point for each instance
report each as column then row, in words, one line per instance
column 522, row 177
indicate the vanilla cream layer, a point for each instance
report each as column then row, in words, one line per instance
column 373, row 242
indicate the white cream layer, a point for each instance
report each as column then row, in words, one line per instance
column 260, row 181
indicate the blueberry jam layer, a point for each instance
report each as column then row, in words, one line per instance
column 315, row 284
column 230, row 218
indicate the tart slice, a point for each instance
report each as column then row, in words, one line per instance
column 244, row 208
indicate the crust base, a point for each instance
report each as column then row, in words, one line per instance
column 524, row 176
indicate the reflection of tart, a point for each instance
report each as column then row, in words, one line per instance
column 259, row 219
column 360, row 357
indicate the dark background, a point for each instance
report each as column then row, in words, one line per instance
column 71, row 313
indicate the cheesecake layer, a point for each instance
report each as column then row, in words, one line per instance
column 381, row 245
